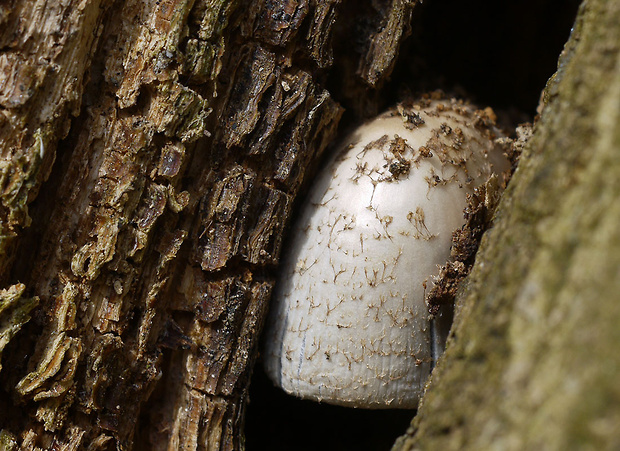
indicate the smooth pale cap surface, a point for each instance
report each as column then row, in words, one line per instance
column 349, row 324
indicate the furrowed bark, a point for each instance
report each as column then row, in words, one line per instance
column 157, row 210
column 47, row 51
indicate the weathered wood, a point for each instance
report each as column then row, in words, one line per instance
column 149, row 262
column 46, row 54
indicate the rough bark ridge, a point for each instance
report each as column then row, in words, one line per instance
column 44, row 53
column 153, row 243
column 533, row 360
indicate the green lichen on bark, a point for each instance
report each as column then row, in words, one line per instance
column 17, row 179
column 7, row 441
column 14, row 313
column 40, row 90
column 533, row 361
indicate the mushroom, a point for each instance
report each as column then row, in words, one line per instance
column 349, row 324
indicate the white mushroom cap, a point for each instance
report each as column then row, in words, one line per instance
column 349, row 324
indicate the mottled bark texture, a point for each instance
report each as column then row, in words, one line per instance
column 151, row 152
column 533, row 361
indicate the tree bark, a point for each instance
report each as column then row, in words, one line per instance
column 152, row 152
column 533, row 359
column 170, row 139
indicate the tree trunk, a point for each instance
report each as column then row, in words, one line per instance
column 147, row 261
column 152, row 152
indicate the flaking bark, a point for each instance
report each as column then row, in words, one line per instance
column 151, row 153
